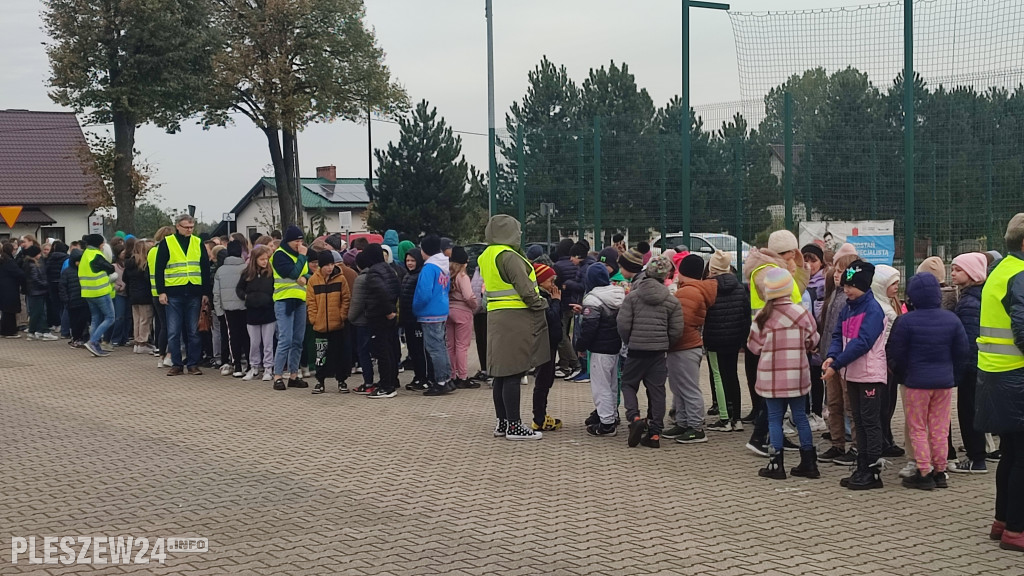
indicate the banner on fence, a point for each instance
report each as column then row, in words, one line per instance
column 873, row 239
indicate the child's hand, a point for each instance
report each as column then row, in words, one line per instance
column 829, row 374
column 555, row 293
column 576, row 308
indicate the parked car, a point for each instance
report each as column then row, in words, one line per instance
column 701, row 243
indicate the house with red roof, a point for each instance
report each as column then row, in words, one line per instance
column 43, row 171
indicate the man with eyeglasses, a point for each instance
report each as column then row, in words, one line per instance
column 183, row 284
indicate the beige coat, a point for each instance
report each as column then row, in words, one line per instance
column 517, row 340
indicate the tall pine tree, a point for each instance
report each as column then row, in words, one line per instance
column 422, row 179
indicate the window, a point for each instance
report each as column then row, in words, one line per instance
column 51, row 232
column 249, row 231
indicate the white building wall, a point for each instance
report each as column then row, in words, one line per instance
column 74, row 220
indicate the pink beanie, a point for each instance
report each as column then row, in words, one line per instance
column 974, row 264
column 846, row 249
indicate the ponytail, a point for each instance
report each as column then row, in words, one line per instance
column 764, row 314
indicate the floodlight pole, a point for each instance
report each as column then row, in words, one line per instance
column 492, row 161
column 687, row 4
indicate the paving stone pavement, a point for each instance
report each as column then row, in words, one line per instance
column 290, row 483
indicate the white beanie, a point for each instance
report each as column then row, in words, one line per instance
column 782, row 241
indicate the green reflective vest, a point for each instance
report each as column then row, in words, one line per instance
column 94, row 284
column 996, row 350
column 183, row 267
column 498, row 294
column 288, row 288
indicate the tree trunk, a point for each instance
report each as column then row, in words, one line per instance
column 125, row 193
column 282, row 178
column 291, row 167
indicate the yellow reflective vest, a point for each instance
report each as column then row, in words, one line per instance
column 94, row 284
column 151, row 261
column 183, row 267
column 288, row 288
column 996, row 350
column 756, row 302
column 498, row 294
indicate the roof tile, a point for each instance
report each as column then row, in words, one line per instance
column 39, row 163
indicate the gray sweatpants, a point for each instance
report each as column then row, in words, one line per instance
column 604, row 385
column 650, row 369
column 684, row 381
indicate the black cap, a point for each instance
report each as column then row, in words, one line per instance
column 459, row 255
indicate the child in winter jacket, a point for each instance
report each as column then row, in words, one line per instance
column 139, row 292
column 726, row 327
column 256, row 288
column 836, row 390
column 459, row 326
column 71, row 296
column 381, row 313
column 599, row 335
column 649, row 322
column 886, row 287
column 408, row 322
column 925, row 349
column 36, row 291
column 857, row 352
column 969, row 274
column 814, row 263
column 228, row 305
column 430, row 304
column 781, row 335
column 695, row 296
column 544, row 377
column 327, row 303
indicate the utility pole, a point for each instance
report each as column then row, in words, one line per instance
column 909, row 119
column 492, row 161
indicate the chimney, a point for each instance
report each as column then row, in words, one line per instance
column 327, row 173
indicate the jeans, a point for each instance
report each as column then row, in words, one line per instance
column 364, row 338
column 291, row 331
column 437, row 349
column 183, row 318
column 777, row 411
column 37, row 314
column 122, row 321
column 102, row 311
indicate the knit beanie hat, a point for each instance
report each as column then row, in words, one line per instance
column 374, row 254
column 543, row 272
column 94, row 240
column 597, row 276
column 720, row 262
column 776, row 283
column 532, row 253
column 362, row 261
column 974, row 264
column 610, row 257
column 934, row 266
column 334, row 241
column 858, row 274
column 846, row 249
column 235, row 248
column 311, row 255
column 431, row 245
column 291, row 234
column 632, row 261
column 692, row 266
column 447, row 244
column 994, row 255
column 658, row 268
column 326, row 258
column 814, row 250
column 782, row 241
column 459, row 255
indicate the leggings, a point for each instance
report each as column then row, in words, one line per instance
column 725, row 381
column 505, row 393
column 750, row 367
column 544, row 378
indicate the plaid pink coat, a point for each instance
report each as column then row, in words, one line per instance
column 783, row 370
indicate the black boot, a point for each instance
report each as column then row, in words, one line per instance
column 869, row 480
column 808, row 467
column 775, row 469
column 862, row 468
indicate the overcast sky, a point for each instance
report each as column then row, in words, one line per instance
column 437, row 50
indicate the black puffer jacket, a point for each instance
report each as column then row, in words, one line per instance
column 71, row 289
column 727, row 324
column 598, row 323
column 406, row 317
column 259, row 299
column 136, row 281
column 382, row 289
column 54, row 265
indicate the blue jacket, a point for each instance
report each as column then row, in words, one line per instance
column 565, row 270
column 855, row 341
column 928, row 344
column 430, row 300
column 968, row 309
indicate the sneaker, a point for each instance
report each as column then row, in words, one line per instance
column 500, row 427
column 713, row 411
column 908, row 470
column 516, row 431
column 250, row 374
column 968, row 466
column 363, row 389
column 267, row 376
column 817, row 423
column 847, row 459
column 920, row 481
column 480, row 376
column 830, row 455
column 549, row 424
column 305, row 372
column 417, row 386
column 561, row 372
column 592, row 419
column 758, row 449
column 167, row 361
column 994, row 456
column 435, row 390
column 279, row 384
column 651, row 441
column 941, row 479
column 175, row 371
column 107, row 346
column 787, row 445
column 737, row 426
column 581, row 378
column 382, row 393
column 674, row 432
column 48, row 337
column 342, row 388
column 572, row 374
column 13, row 336
column 893, row 451
column 720, row 426
column 601, row 429
column 318, row 388
column 297, row 383
column 95, row 350
column 749, row 418
column 692, row 437
column 225, row 370
column 32, row 336
column 637, row 428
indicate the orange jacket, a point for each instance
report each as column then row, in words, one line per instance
column 695, row 296
column 327, row 301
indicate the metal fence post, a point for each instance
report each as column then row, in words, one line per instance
column 787, row 171
column 581, row 200
column 520, row 182
column 598, row 237
column 738, row 178
column 662, row 182
column 909, row 223
column 988, row 199
column 874, row 182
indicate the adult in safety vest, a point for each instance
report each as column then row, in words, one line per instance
column 517, row 337
column 183, row 285
column 999, row 399
column 291, row 272
column 96, row 275
column 159, row 310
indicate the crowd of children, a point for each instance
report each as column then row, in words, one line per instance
column 825, row 336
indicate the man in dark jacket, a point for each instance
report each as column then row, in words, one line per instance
column 382, row 290
column 1000, row 394
column 54, row 265
column 566, row 269
column 183, row 299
